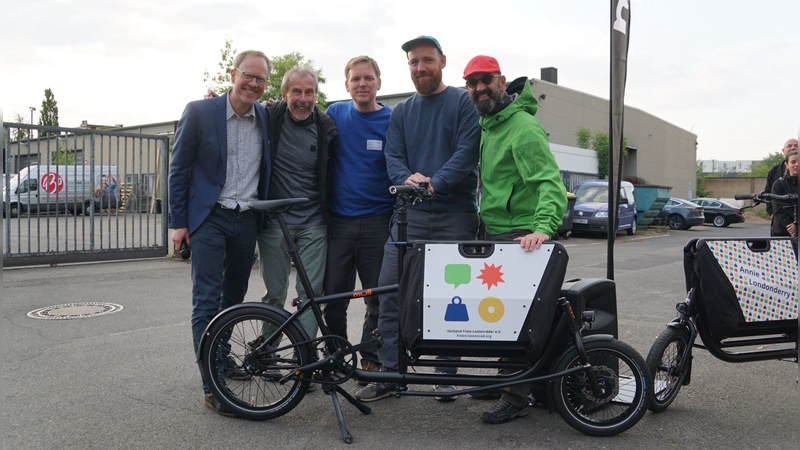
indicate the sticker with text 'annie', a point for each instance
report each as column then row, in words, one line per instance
column 457, row 274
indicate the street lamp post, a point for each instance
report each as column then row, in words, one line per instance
column 31, row 130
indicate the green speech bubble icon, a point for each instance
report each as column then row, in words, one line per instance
column 457, row 274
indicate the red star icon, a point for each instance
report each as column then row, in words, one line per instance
column 491, row 275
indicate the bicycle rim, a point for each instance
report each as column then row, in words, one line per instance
column 263, row 387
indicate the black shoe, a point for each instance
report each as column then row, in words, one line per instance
column 234, row 372
column 213, row 404
column 494, row 394
column 503, row 411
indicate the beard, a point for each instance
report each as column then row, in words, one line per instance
column 488, row 105
column 301, row 107
column 428, row 84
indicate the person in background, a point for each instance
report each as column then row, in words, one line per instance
column 361, row 205
column 784, row 220
column 522, row 196
column 105, row 193
column 779, row 170
column 220, row 162
column 433, row 138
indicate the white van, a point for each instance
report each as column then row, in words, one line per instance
column 42, row 189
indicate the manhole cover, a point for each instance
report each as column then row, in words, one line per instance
column 75, row 310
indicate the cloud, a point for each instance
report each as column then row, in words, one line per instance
column 141, row 61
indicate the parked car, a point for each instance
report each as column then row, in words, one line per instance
column 591, row 207
column 719, row 212
column 681, row 214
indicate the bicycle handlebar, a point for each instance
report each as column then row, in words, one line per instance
column 419, row 192
column 761, row 197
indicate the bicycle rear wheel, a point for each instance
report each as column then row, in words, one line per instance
column 664, row 361
column 263, row 386
column 625, row 382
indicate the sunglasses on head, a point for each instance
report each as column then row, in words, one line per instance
column 486, row 79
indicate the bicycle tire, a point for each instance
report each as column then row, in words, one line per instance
column 664, row 359
column 261, row 396
column 624, row 375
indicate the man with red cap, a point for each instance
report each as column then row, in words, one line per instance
column 522, row 195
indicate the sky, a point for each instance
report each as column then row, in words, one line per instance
column 726, row 70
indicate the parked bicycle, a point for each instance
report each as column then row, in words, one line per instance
column 741, row 302
column 564, row 338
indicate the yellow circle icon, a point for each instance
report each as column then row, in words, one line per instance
column 491, row 309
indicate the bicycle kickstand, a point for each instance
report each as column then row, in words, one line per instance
column 332, row 390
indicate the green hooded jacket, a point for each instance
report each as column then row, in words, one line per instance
column 521, row 187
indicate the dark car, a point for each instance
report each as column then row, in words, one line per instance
column 719, row 212
column 681, row 214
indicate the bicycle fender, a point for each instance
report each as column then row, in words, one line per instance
column 598, row 337
column 216, row 318
column 676, row 324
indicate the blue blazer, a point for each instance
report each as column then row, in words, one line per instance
column 199, row 160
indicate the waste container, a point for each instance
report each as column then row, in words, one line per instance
column 565, row 230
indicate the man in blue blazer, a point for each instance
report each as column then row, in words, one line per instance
column 220, row 161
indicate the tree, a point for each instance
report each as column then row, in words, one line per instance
column 220, row 82
column 700, row 181
column 281, row 64
column 599, row 141
column 20, row 134
column 584, row 137
column 762, row 168
column 48, row 114
column 62, row 157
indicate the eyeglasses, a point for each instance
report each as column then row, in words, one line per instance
column 248, row 77
column 486, row 79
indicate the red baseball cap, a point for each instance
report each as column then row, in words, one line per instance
column 481, row 64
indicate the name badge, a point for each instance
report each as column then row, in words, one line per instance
column 374, row 144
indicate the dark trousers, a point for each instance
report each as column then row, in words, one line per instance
column 422, row 225
column 222, row 259
column 355, row 245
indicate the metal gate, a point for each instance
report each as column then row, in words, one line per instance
column 77, row 195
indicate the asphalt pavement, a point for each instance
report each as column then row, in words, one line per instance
column 128, row 379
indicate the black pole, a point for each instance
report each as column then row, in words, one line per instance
column 612, row 195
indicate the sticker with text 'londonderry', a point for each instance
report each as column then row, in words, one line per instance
column 480, row 298
column 765, row 282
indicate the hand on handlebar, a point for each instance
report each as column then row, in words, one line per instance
column 418, row 192
column 419, row 179
column 762, row 197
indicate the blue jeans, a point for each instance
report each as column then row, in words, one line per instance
column 222, row 258
column 276, row 265
column 355, row 244
column 422, row 225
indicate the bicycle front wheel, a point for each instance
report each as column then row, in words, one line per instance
column 624, row 393
column 251, row 379
column 664, row 360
